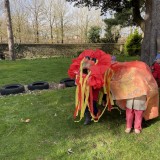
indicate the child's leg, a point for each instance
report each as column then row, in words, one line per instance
column 86, row 110
column 138, row 119
column 87, row 116
column 139, row 107
column 129, row 117
column 95, row 109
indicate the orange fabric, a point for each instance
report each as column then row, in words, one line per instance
column 134, row 79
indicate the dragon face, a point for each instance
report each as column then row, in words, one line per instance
column 87, row 63
column 92, row 64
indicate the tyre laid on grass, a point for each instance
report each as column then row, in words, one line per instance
column 12, row 89
column 40, row 85
column 68, row 82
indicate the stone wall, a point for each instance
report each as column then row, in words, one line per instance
column 51, row 50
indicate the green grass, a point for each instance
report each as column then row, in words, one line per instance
column 52, row 130
column 123, row 58
column 28, row 71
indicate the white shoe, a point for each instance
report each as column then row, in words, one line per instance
column 137, row 131
column 128, row 130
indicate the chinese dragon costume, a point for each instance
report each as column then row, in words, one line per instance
column 118, row 81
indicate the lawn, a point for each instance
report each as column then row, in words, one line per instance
column 28, row 71
column 51, row 133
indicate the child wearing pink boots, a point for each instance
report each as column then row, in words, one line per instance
column 134, row 113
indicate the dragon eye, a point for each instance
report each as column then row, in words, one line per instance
column 94, row 60
column 87, row 57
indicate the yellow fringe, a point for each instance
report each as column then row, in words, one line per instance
column 109, row 75
column 76, row 99
column 84, row 96
column 101, row 93
column 106, row 90
column 85, row 102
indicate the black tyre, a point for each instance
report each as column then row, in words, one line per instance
column 40, row 85
column 12, row 89
column 68, row 82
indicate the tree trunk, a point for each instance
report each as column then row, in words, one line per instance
column 151, row 41
column 62, row 30
column 19, row 33
column 57, row 32
column 37, row 32
column 137, row 18
column 86, row 30
column 51, row 32
column 9, row 30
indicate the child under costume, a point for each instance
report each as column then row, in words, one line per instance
column 131, row 84
column 88, row 69
column 135, row 89
column 95, row 109
column 134, row 112
column 156, row 69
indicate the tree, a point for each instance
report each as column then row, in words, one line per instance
column 94, row 34
column 62, row 17
column 19, row 18
column 133, row 44
column 123, row 18
column 112, row 30
column 36, row 8
column 50, row 16
column 114, row 25
column 9, row 30
column 83, row 20
column 149, row 24
column 35, row 21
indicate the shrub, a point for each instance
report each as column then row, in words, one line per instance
column 78, row 53
column 94, row 34
column 132, row 46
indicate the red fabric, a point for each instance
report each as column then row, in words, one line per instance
column 95, row 94
column 75, row 66
column 156, row 72
column 91, row 100
column 97, row 70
